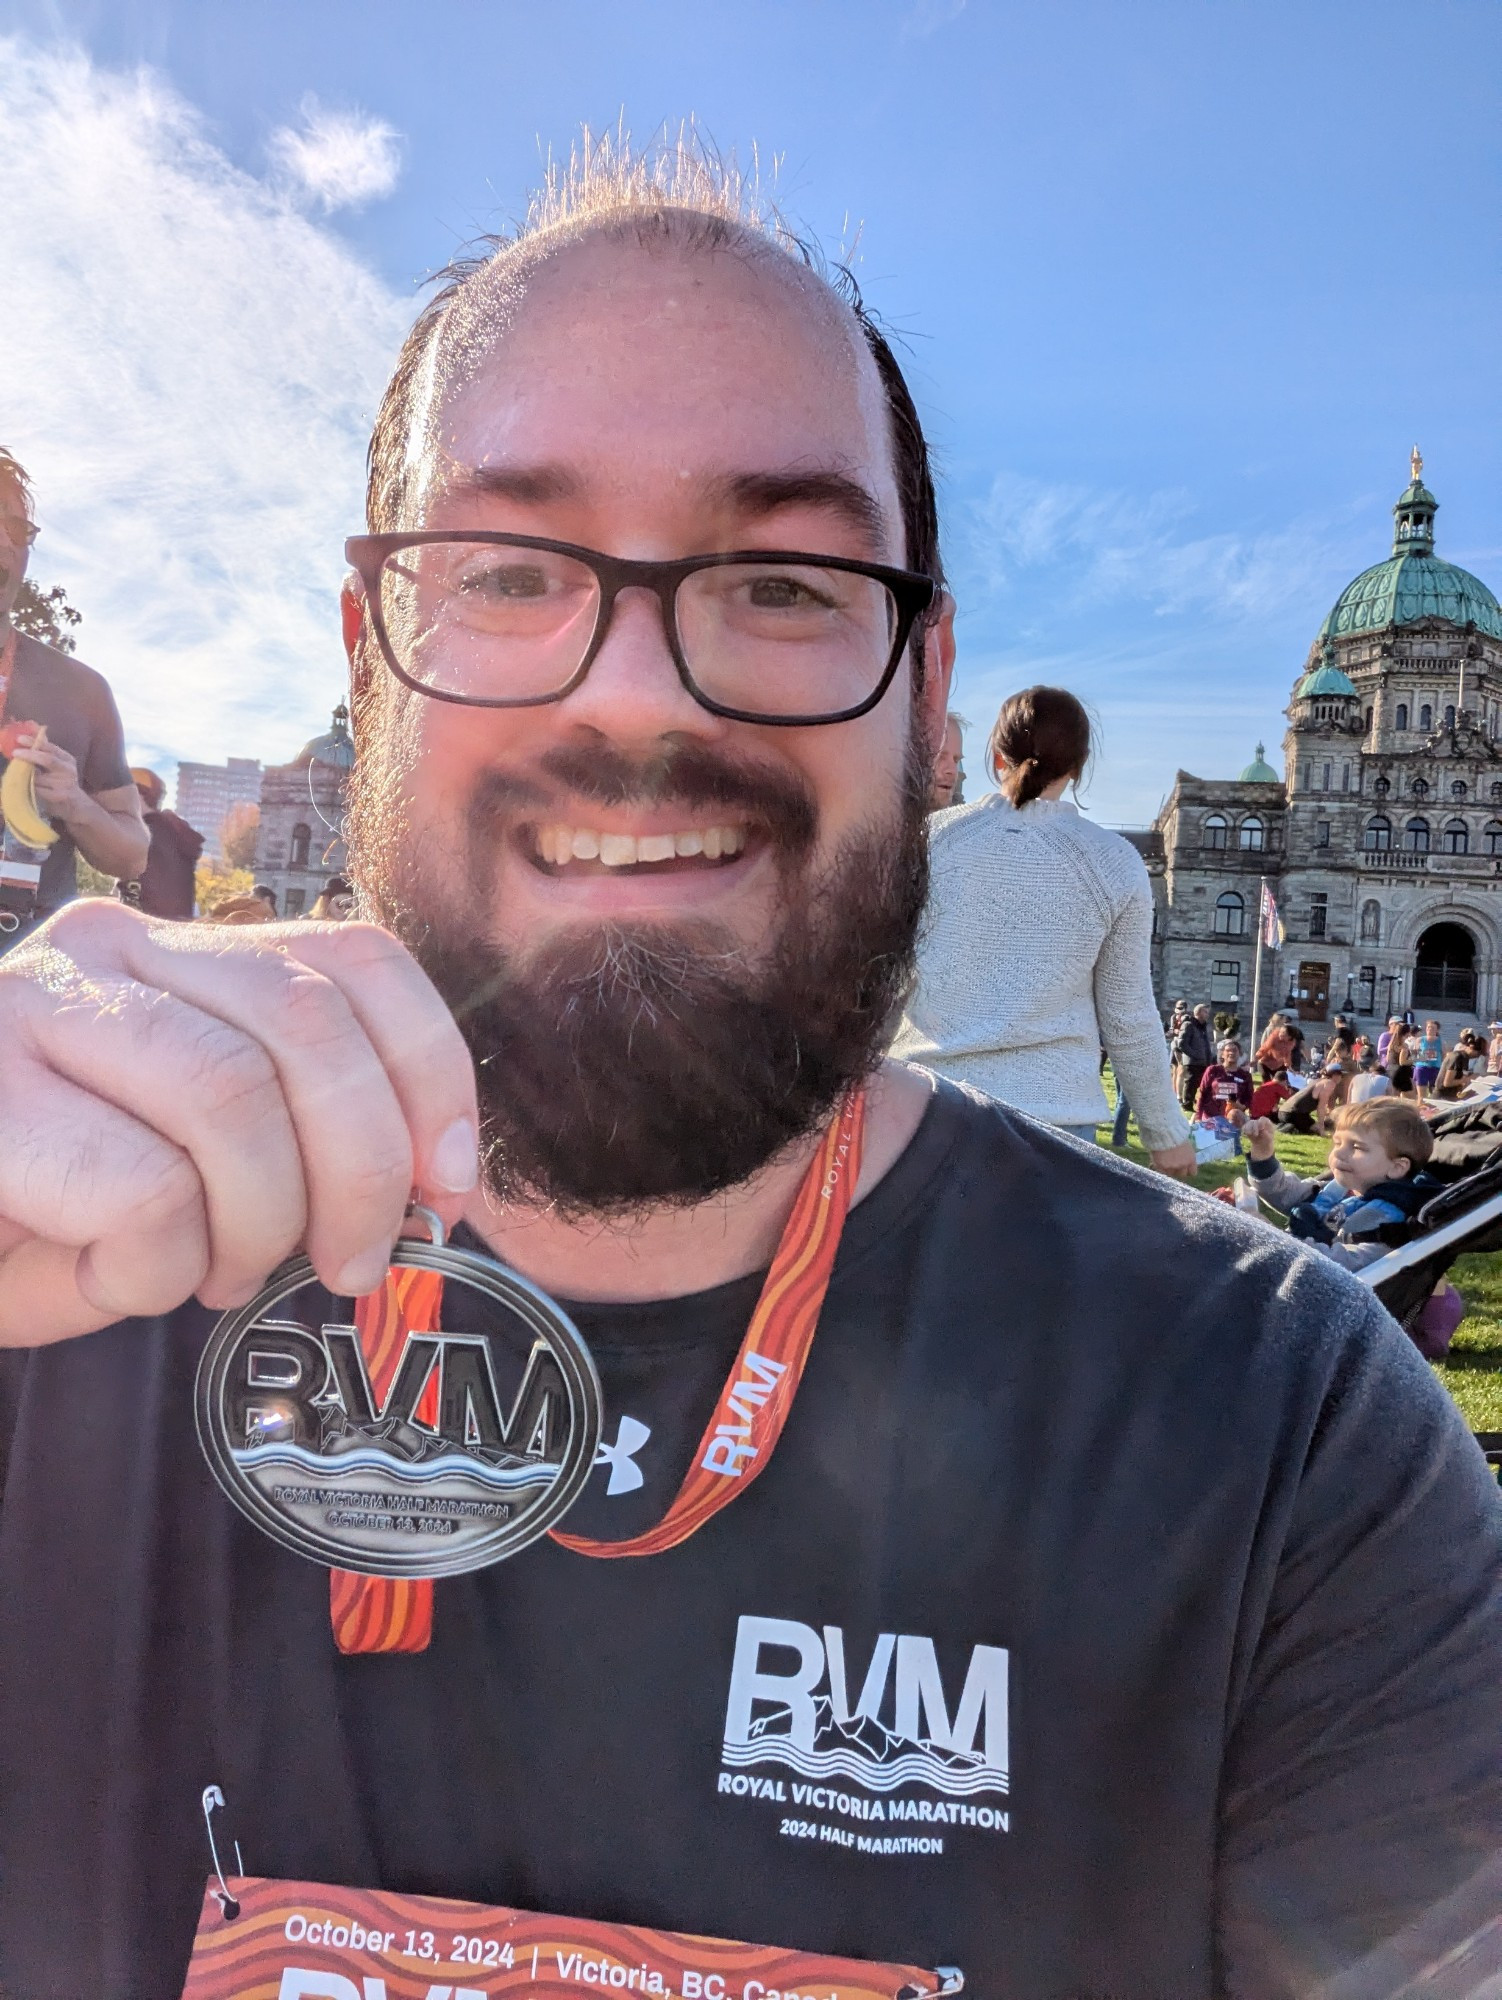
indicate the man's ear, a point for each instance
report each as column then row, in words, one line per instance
column 938, row 672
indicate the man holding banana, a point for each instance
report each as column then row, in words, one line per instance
column 58, row 717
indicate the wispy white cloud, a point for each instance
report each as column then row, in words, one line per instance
column 926, row 17
column 337, row 159
column 189, row 368
column 1116, row 546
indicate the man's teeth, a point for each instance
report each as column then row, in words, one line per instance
column 560, row 844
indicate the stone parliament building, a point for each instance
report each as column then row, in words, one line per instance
column 1382, row 840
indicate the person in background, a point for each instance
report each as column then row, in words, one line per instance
column 83, row 784
column 1036, row 949
column 335, row 903
column 1269, row 1092
column 1275, row 1052
column 1401, row 1051
column 949, row 766
column 165, row 887
column 1225, row 1085
column 241, row 910
column 1494, row 1049
column 1455, row 1070
column 1370, row 1081
column 1427, row 1058
column 1385, row 1039
column 267, row 895
column 1194, row 1051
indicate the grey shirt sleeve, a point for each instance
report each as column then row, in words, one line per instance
column 1362, row 1784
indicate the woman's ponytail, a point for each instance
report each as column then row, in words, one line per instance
column 1041, row 735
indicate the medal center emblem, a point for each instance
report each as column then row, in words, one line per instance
column 460, row 1448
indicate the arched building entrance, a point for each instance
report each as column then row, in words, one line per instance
column 1444, row 970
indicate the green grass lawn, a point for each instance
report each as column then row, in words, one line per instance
column 1473, row 1370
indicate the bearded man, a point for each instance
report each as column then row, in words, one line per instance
column 1127, row 1558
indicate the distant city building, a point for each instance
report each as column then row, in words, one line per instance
column 1382, row 839
column 205, row 793
column 300, row 842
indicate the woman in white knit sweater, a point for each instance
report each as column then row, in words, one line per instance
column 1036, row 946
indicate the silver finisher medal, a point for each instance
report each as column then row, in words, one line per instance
column 290, row 1426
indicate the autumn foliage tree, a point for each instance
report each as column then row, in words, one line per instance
column 238, row 833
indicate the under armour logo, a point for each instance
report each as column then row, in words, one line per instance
column 625, row 1474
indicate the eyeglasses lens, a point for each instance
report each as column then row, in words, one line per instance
column 785, row 639
column 486, row 622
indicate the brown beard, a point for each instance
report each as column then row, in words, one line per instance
column 631, row 1065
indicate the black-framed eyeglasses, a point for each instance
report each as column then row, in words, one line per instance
column 513, row 621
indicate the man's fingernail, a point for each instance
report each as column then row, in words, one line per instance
column 455, row 1165
column 362, row 1274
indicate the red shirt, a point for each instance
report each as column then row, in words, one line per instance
column 1266, row 1097
column 1220, row 1088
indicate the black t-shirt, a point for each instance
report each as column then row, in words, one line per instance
column 80, row 716
column 1118, row 1615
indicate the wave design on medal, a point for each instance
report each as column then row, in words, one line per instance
column 866, row 1752
column 332, row 1469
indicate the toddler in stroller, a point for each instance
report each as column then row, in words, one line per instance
column 1376, row 1186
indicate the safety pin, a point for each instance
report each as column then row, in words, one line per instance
column 212, row 1797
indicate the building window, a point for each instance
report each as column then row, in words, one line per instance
column 1457, row 790
column 1249, row 835
column 1318, row 910
column 1214, row 830
column 293, row 907
column 1345, row 777
column 1416, row 836
column 1369, row 718
column 1449, row 715
column 1426, row 719
column 1402, row 715
column 1322, row 833
column 1230, row 915
column 1225, row 981
column 1366, row 990
column 1495, row 794
column 1492, row 833
column 1371, row 922
column 1305, row 779
column 302, row 838
column 1377, row 837
column 1456, row 838
column 1326, row 784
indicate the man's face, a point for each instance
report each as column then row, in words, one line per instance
column 650, row 405
column 1202, row 1013
column 15, row 549
column 947, row 765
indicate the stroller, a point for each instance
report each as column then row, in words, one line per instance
column 1464, row 1216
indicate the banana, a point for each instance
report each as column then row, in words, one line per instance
column 18, row 802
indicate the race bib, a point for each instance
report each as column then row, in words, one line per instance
column 306, row 1941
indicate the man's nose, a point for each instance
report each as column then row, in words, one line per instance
column 632, row 690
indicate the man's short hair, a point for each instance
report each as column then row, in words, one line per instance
column 1400, row 1129
column 677, row 192
column 15, row 487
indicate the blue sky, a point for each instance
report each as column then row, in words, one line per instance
column 1179, row 285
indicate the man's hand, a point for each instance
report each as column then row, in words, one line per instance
column 1176, row 1161
column 182, row 1106
column 1261, row 1136
column 58, row 791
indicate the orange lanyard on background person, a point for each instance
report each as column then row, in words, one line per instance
column 373, row 1614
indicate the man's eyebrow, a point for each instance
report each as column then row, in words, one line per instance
column 835, row 492
column 532, row 485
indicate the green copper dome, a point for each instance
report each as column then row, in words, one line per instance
column 1413, row 583
column 1259, row 772
column 1326, row 681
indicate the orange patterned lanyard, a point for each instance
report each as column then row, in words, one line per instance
column 373, row 1614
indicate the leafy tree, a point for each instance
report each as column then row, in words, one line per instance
column 238, row 834
column 214, row 883
column 46, row 615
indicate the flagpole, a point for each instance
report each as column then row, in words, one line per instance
column 1257, row 974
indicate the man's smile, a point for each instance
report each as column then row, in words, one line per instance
column 560, row 848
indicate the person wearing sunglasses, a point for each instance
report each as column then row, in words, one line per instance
column 1105, row 1601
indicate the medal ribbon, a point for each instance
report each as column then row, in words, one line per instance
column 372, row 1614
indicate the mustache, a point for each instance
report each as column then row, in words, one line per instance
column 686, row 774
